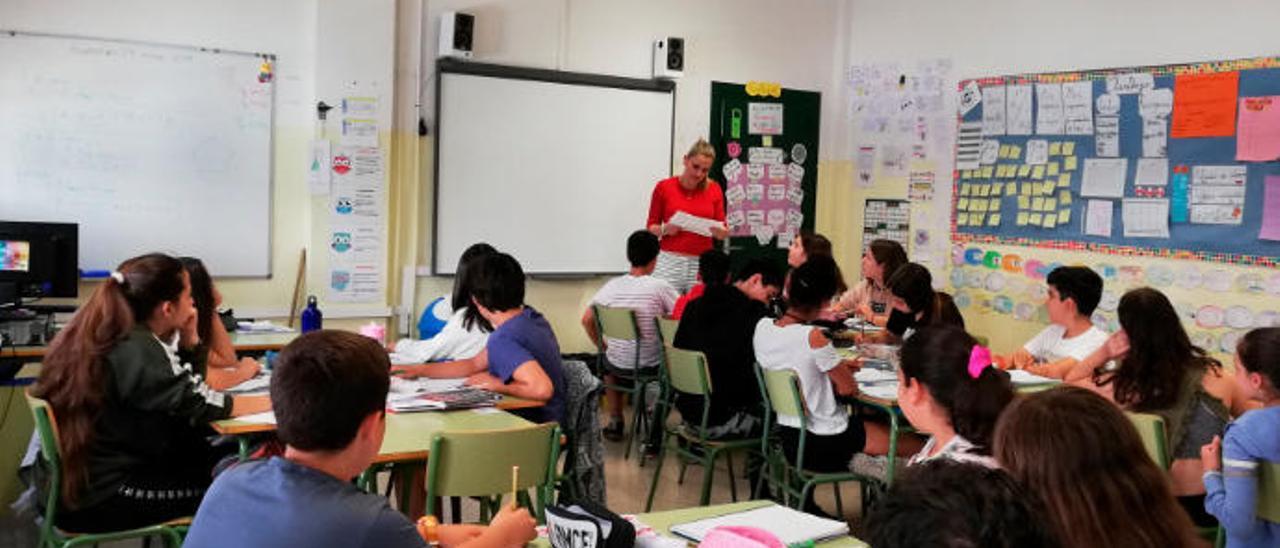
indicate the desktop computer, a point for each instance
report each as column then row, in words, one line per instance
column 37, row 260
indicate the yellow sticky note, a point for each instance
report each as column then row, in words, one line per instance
column 766, row 141
column 1027, row 189
column 997, row 189
column 1022, row 218
column 1050, row 204
column 1037, row 172
column 1064, row 216
column 1055, row 148
column 1069, row 163
column 1024, row 170
column 1024, row 202
column 1035, row 218
column 1004, row 150
column 965, row 189
column 1015, row 152
column 962, row 204
column 1050, row 221
column 1011, row 189
column 1068, row 148
column 1037, row 204
column 986, row 190
column 975, row 219
column 1047, row 188
column 1064, row 180
column 1051, row 169
column 979, row 206
column 993, row 204
column 966, row 174
column 993, row 220
column 1000, row 171
column 1064, row 197
column 962, row 219
column 986, row 171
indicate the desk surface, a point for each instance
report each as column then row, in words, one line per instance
column 243, row 342
column 662, row 521
column 408, row 436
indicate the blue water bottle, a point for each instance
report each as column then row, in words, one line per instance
column 311, row 316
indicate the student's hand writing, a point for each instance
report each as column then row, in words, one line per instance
column 511, row 527
column 484, row 380
column 1211, row 455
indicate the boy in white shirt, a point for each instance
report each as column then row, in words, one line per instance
column 1074, row 292
column 650, row 297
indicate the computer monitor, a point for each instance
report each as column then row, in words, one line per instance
column 38, row 260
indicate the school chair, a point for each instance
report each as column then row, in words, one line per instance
column 1155, row 439
column 621, row 324
column 479, row 464
column 665, row 328
column 171, row 532
column 781, row 389
column 687, row 374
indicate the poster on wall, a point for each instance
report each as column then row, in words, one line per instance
column 357, row 232
column 886, row 220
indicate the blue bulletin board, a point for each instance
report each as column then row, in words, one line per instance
column 1206, row 137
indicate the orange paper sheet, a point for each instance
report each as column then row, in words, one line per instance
column 1204, row 105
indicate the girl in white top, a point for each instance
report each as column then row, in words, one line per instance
column 870, row 299
column 948, row 388
column 465, row 333
column 788, row 344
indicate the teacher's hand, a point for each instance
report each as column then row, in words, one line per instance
column 719, row 232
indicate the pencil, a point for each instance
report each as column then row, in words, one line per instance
column 515, row 480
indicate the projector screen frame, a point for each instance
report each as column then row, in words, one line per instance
column 454, row 66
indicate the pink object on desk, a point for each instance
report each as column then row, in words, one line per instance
column 375, row 331
column 732, row 536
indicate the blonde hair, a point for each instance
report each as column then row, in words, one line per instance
column 701, row 148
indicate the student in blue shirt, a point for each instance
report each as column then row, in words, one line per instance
column 1231, row 465
column 329, row 392
column 522, row 357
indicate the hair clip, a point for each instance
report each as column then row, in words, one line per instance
column 979, row 359
column 117, row 276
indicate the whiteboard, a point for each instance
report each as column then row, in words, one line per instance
column 147, row 147
column 555, row 173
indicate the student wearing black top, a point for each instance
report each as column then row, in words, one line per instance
column 720, row 324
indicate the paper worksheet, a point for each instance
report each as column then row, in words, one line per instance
column 1104, row 177
column 1145, row 217
column 694, row 223
column 993, row 110
column 1097, row 218
column 1018, row 109
column 1152, row 172
column 1049, row 119
column 1077, row 107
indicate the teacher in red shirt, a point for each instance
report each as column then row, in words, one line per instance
column 693, row 193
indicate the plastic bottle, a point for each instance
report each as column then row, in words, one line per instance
column 312, row 319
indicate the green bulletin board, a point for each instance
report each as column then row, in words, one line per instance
column 766, row 141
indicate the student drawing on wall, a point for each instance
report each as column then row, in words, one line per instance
column 340, row 242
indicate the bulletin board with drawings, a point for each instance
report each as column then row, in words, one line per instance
column 766, row 141
column 1170, row 161
column 886, row 220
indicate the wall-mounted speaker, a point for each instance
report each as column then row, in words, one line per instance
column 668, row 58
column 457, row 30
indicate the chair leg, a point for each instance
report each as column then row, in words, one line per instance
column 684, row 465
column 635, row 421
column 657, row 471
column 835, row 487
column 708, row 473
column 733, row 480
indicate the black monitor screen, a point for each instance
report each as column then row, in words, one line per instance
column 41, row 257
column 15, row 255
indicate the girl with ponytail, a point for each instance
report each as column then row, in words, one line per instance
column 131, row 416
column 947, row 388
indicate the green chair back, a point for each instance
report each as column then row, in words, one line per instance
column 667, row 329
column 478, row 463
column 1151, row 430
column 47, row 429
column 1269, row 491
column 687, row 371
column 617, row 323
column 783, row 389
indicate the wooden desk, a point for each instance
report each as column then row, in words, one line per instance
column 243, row 342
column 662, row 522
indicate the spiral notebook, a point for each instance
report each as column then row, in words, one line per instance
column 789, row 525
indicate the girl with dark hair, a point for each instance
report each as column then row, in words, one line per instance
column 1083, row 458
column 948, row 388
column 1150, row 366
column 789, row 344
column 914, row 304
column 132, row 417
column 1232, row 465
column 466, row 332
column 214, row 357
column 870, row 298
column 811, row 244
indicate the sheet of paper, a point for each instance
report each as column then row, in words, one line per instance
column 1049, row 115
column 265, row 417
column 1155, row 103
column 1037, row 151
column 319, row 177
column 1077, row 107
column 1104, row 177
column 1155, row 137
column 764, row 118
column 1069, row 163
column 990, row 152
column 968, row 151
column 1018, row 110
column 1064, row 216
column 1108, row 104
column 1258, row 135
column 1145, row 217
column 1270, row 209
column 1152, row 172
column 694, row 223
column 993, row 110
column 1133, row 82
column 1097, row 218
column 1204, row 105
column 1216, row 214
column 1107, row 137
column 970, row 96
column 1219, row 175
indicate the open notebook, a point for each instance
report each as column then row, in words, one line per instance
column 789, row 525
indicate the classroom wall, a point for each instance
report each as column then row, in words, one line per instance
column 793, row 43
column 994, row 37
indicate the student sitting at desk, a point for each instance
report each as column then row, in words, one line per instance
column 131, row 416
column 870, row 298
column 948, row 389
column 329, row 392
column 466, row 332
column 713, row 270
column 914, row 304
column 214, row 357
column 522, row 357
column 788, row 344
column 1074, row 292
